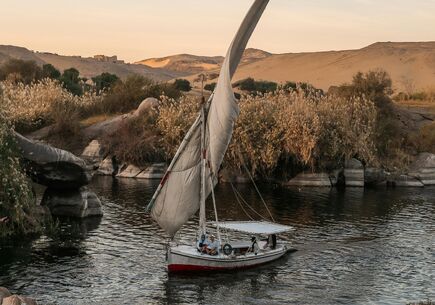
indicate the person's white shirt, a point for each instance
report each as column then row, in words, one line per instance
column 204, row 243
column 213, row 245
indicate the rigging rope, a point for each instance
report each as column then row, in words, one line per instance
column 238, row 201
column 247, row 204
column 253, row 182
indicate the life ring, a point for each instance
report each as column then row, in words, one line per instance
column 227, row 249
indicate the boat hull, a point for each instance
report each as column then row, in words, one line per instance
column 184, row 259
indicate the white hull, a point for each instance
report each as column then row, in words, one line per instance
column 187, row 258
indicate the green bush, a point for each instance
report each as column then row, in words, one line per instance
column 390, row 138
column 17, row 202
column 71, row 81
column 210, row 87
column 65, row 131
column 253, row 86
column 182, row 85
column 30, row 107
column 104, row 81
column 136, row 141
column 314, row 131
column 17, row 70
column 49, row 71
column 306, row 87
column 127, row 95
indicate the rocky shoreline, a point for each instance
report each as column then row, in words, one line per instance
column 65, row 177
column 7, row 298
column 354, row 174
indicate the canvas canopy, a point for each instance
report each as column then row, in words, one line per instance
column 255, row 227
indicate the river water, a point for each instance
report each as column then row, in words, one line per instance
column 355, row 246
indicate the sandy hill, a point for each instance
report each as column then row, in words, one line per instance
column 186, row 63
column 408, row 63
column 7, row 52
column 193, row 64
column 88, row 67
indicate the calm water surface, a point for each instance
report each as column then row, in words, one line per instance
column 356, row 246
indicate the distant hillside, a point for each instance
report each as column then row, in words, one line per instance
column 193, row 64
column 88, row 67
column 7, row 52
column 408, row 63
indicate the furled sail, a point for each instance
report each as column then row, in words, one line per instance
column 178, row 196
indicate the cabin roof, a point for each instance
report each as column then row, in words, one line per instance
column 255, row 227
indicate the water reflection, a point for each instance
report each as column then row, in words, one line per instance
column 356, row 246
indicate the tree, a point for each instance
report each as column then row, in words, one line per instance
column 71, row 81
column 25, row 71
column 182, row 84
column 126, row 95
column 253, row 86
column 210, row 87
column 49, row 71
column 247, row 84
column 372, row 84
column 104, row 81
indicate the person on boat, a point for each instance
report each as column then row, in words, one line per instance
column 202, row 243
column 213, row 246
column 270, row 242
column 254, row 246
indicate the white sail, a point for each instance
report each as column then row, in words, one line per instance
column 178, row 195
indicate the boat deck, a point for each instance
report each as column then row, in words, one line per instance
column 192, row 251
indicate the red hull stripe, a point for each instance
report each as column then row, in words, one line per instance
column 185, row 268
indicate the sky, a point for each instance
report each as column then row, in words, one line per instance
column 138, row 29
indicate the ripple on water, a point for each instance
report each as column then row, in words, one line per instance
column 356, row 246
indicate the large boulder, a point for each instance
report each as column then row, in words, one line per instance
column 155, row 171
column 423, row 168
column 12, row 300
column 310, row 179
column 18, row 300
column 354, row 173
column 4, row 293
column 145, row 106
column 111, row 125
column 53, row 167
column 130, row 171
column 405, row 180
column 375, row 176
column 93, row 151
column 108, row 167
column 337, row 177
column 73, row 203
column 106, row 127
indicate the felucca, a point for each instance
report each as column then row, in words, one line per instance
column 192, row 175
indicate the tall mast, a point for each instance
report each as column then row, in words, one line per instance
column 202, row 217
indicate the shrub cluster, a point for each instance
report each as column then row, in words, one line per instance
column 390, row 138
column 127, row 95
column 44, row 102
column 182, row 85
column 16, row 197
column 210, row 87
column 252, row 86
column 312, row 130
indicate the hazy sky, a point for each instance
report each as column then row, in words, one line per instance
column 138, row 29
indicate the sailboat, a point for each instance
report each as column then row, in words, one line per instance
column 193, row 174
